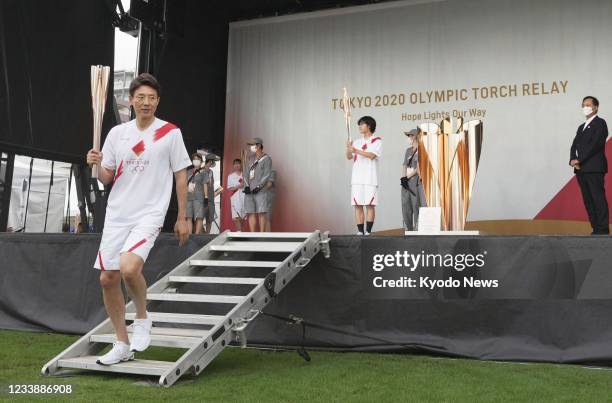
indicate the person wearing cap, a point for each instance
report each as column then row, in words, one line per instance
column 257, row 200
column 195, row 195
column 413, row 195
column 209, row 190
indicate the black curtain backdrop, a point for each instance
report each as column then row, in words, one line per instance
column 553, row 303
column 46, row 50
column 190, row 60
column 186, row 50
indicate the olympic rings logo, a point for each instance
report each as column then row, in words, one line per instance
column 137, row 168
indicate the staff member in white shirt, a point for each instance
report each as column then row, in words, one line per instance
column 365, row 153
column 235, row 184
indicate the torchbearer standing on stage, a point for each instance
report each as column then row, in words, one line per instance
column 365, row 153
column 139, row 157
column 257, row 198
column 235, row 184
column 413, row 195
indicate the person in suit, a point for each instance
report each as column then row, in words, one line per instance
column 588, row 158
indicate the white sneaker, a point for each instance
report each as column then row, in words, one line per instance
column 367, row 234
column 120, row 352
column 141, row 338
column 360, row 233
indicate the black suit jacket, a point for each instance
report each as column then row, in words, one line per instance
column 589, row 147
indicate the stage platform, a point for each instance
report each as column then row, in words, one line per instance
column 525, row 298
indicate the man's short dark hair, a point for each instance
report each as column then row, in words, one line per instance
column 145, row 79
column 196, row 155
column 368, row 120
column 592, row 98
column 237, row 161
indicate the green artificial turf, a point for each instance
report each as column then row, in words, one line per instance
column 264, row 376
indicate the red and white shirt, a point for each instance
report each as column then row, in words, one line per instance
column 365, row 170
column 144, row 163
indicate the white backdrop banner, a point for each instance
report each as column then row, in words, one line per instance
column 521, row 66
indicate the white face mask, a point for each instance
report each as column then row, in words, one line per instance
column 587, row 110
column 253, row 149
column 196, row 163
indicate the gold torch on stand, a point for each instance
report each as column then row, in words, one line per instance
column 448, row 161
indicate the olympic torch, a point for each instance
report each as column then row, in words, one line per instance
column 347, row 112
column 99, row 85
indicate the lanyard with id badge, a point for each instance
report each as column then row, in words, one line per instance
column 190, row 184
column 254, row 165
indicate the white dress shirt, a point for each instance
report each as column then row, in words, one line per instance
column 588, row 121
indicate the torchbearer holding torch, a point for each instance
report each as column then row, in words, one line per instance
column 139, row 158
column 365, row 153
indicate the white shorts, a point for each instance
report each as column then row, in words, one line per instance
column 138, row 239
column 238, row 211
column 364, row 195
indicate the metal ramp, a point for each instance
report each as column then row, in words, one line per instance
column 204, row 336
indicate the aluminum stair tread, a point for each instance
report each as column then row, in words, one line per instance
column 216, row 280
column 233, row 263
column 175, row 331
column 286, row 247
column 221, row 299
column 159, row 340
column 141, row 367
column 278, row 235
column 169, row 317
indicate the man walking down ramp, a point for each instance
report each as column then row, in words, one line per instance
column 139, row 157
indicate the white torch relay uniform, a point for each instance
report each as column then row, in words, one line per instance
column 144, row 163
column 237, row 198
column 364, row 180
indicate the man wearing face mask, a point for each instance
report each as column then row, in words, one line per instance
column 413, row 195
column 257, row 200
column 588, row 158
column 209, row 190
column 195, row 195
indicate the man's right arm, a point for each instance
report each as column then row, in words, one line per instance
column 349, row 150
column 105, row 175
